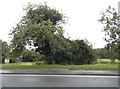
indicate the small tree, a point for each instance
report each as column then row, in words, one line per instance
column 83, row 53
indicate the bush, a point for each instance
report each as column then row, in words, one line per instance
column 30, row 56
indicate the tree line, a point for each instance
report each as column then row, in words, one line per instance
column 41, row 30
column 107, row 52
column 110, row 20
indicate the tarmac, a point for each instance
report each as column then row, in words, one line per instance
column 61, row 72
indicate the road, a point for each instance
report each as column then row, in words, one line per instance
column 20, row 80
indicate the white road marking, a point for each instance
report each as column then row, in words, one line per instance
column 87, row 76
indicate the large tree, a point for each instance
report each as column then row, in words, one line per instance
column 41, row 28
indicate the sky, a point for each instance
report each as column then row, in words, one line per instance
column 83, row 16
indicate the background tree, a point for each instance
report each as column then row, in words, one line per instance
column 0, row 51
column 110, row 20
column 5, row 51
column 111, row 23
column 104, row 53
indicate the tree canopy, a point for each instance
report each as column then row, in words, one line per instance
column 111, row 26
column 41, row 28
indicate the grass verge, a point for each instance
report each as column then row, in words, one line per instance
column 71, row 67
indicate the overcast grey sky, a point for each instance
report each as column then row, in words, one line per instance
column 82, row 16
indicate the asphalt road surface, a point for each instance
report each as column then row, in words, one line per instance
column 17, row 80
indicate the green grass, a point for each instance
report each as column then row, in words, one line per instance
column 102, row 64
column 71, row 67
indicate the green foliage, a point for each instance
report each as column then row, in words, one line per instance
column 113, row 50
column 5, row 51
column 30, row 56
column 110, row 20
column 83, row 53
column 110, row 51
column 111, row 23
column 0, row 51
column 41, row 28
column 102, row 53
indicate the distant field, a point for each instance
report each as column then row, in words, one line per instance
column 106, row 61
